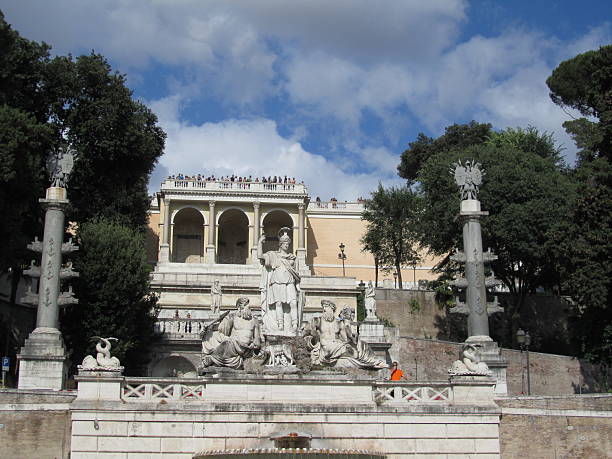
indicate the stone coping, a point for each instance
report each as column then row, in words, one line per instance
column 183, row 407
column 280, row 378
column 553, row 397
column 292, row 452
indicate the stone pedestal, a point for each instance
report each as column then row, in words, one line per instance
column 372, row 331
column 490, row 353
column 301, row 262
column 472, row 389
column 254, row 260
column 164, row 253
column 100, row 383
column 42, row 361
column 210, row 254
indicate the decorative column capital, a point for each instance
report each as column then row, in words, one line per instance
column 212, row 203
column 301, row 206
column 256, row 205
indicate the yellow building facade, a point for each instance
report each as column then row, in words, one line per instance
column 205, row 223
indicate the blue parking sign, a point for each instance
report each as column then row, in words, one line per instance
column 6, row 363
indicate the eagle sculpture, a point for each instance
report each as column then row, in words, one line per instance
column 468, row 177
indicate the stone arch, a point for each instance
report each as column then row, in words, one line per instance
column 272, row 222
column 233, row 241
column 173, row 366
column 188, row 235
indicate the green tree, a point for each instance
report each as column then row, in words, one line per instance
column 392, row 215
column 24, row 136
column 45, row 102
column 113, row 291
column 455, row 137
column 373, row 241
column 585, row 83
column 527, row 195
column 117, row 139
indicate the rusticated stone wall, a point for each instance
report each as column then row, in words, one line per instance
column 429, row 343
column 35, row 424
column 556, row 427
column 550, row 374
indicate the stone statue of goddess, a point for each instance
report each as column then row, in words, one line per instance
column 281, row 299
column 215, row 293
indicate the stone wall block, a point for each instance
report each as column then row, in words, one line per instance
column 105, row 428
column 133, row 444
column 158, row 429
column 91, row 455
column 487, row 445
column 81, row 443
column 438, row 445
column 472, row 430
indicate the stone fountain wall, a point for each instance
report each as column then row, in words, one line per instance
column 163, row 417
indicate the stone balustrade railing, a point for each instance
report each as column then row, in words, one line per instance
column 336, row 206
column 156, row 389
column 218, row 185
column 409, row 392
column 383, row 392
column 180, row 328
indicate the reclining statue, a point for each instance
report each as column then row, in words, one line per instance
column 469, row 363
column 231, row 338
column 332, row 343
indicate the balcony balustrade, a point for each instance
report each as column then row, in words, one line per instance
column 180, row 329
column 248, row 187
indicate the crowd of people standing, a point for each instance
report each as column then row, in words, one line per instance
column 235, row 178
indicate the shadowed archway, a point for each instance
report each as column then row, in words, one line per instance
column 188, row 245
column 233, row 247
column 272, row 223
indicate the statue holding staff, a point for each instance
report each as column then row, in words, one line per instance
column 281, row 298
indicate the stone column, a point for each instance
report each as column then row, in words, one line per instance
column 301, row 242
column 256, row 233
column 476, row 293
column 301, row 227
column 49, row 286
column 475, row 284
column 43, row 363
column 164, row 248
column 210, row 249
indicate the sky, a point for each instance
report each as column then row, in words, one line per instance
column 329, row 92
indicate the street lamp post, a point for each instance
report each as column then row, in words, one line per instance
column 524, row 340
column 342, row 256
column 395, row 279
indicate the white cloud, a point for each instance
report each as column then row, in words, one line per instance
column 255, row 147
column 321, row 61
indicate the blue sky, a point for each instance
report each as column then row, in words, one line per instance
column 330, row 92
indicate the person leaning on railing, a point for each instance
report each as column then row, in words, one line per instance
column 396, row 374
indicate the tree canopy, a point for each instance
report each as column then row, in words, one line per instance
column 392, row 215
column 46, row 102
column 585, row 83
column 455, row 137
column 113, row 292
column 527, row 194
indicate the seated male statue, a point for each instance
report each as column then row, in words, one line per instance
column 231, row 338
column 332, row 342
